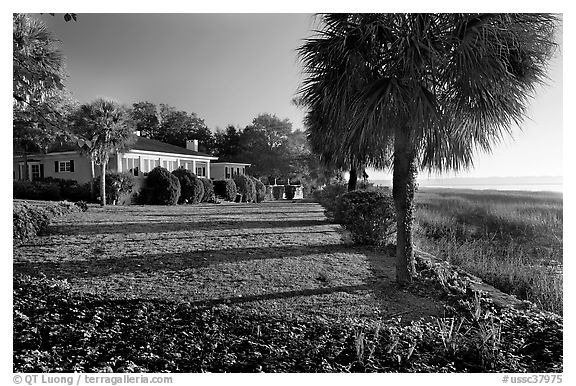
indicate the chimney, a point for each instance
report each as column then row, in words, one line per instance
column 192, row 144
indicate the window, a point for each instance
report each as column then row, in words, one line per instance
column 35, row 171
column 201, row 171
column 227, row 172
column 63, row 166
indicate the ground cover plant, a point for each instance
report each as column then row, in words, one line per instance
column 97, row 334
column 237, row 287
column 512, row 240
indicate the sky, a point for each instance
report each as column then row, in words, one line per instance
column 228, row 68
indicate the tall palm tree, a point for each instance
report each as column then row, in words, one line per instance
column 437, row 87
column 38, row 70
column 106, row 128
column 337, row 71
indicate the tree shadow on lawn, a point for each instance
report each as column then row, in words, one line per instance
column 74, row 268
column 161, row 237
column 160, row 227
column 375, row 291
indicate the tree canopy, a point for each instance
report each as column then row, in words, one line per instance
column 429, row 89
column 107, row 128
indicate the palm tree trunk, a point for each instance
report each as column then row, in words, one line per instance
column 92, row 178
column 403, row 187
column 353, row 179
column 103, row 184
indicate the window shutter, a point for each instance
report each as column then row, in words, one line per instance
column 41, row 171
column 56, row 166
column 71, row 165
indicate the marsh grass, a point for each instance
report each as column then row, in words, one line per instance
column 512, row 240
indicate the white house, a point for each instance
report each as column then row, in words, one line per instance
column 223, row 169
column 143, row 156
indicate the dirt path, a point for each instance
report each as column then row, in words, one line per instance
column 274, row 256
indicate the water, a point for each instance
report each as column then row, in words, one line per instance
column 503, row 187
column 525, row 188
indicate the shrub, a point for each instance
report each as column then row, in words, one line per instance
column 225, row 189
column 51, row 189
column 327, row 197
column 76, row 192
column 278, row 192
column 245, row 187
column 37, row 190
column 289, row 191
column 118, row 186
column 208, row 190
column 260, row 189
column 191, row 188
column 25, row 190
column 268, row 192
column 162, row 187
column 29, row 220
column 369, row 216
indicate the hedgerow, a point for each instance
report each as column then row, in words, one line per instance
column 260, row 189
column 191, row 188
column 208, row 190
column 225, row 189
column 245, row 187
column 161, row 187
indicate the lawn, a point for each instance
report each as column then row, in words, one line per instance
column 270, row 287
column 278, row 257
column 512, row 240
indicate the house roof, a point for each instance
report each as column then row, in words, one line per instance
column 147, row 144
column 231, row 163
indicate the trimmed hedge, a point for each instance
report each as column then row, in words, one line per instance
column 208, row 190
column 226, row 189
column 278, row 192
column 245, row 187
column 30, row 220
column 289, row 191
column 260, row 189
column 51, row 189
column 161, row 187
column 118, row 186
column 191, row 188
column 368, row 215
column 268, row 192
column 327, row 197
column 37, row 190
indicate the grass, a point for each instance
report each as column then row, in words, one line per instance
column 249, row 288
column 275, row 257
column 512, row 240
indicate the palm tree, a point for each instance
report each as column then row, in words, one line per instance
column 106, row 128
column 38, row 70
column 337, row 71
column 437, row 87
